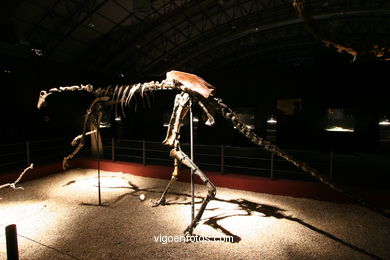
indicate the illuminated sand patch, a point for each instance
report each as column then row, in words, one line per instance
column 57, row 218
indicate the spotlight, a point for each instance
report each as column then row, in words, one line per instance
column 272, row 120
column 384, row 122
column 338, row 129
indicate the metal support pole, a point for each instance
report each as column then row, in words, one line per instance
column 222, row 159
column 12, row 242
column 331, row 165
column 272, row 165
column 28, row 152
column 143, row 152
column 112, row 149
column 192, row 159
column 98, row 161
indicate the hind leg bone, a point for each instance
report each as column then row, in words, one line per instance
column 180, row 109
column 175, row 173
column 177, row 153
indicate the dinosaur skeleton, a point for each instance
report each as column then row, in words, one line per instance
column 195, row 90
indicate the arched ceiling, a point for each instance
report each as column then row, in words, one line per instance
column 153, row 36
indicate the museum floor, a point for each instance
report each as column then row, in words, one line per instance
column 57, row 217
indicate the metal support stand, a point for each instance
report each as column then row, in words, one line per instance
column 222, row 159
column 98, row 162
column 143, row 152
column 12, row 242
column 272, row 166
column 192, row 159
column 28, row 153
column 331, row 165
column 113, row 149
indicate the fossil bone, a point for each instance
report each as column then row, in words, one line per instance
column 380, row 52
column 13, row 184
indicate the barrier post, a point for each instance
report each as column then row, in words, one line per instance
column 12, row 242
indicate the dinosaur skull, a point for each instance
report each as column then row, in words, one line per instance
column 42, row 99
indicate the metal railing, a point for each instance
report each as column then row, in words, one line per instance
column 19, row 155
column 219, row 158
column 342, row 168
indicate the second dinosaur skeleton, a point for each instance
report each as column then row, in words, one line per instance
column 13, row 184
column 191, row 88
column 380, row 52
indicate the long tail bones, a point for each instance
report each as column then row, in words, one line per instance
column 193, row 90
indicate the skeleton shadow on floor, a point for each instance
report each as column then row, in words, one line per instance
column 248, row 208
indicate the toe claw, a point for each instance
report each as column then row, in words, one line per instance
column 158, row 203
column 188, row 230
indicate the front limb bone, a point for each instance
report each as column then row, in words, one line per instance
column 89, row 116
column 65, row 164
column 77, row 138
column 210, row 119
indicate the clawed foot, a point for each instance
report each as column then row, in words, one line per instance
column 65, row 164
column 190, row 228
column 75, row 141
column 158, row 202
column 188, row 231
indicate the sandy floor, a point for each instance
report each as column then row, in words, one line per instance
column 57, row 218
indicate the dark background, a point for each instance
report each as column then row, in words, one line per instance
column 331, row 82
column 254, row 54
